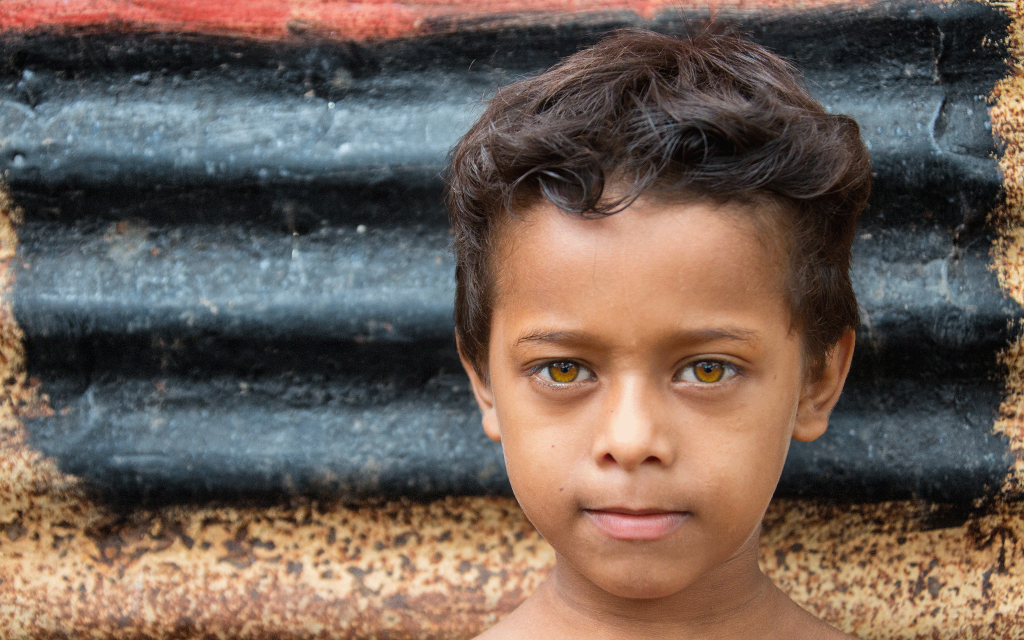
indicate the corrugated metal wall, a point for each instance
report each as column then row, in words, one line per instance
column 232, row 406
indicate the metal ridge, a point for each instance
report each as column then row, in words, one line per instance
column 234, row 281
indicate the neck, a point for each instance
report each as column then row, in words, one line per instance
column 727, row 602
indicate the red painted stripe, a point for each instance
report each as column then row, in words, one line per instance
column 283, row 19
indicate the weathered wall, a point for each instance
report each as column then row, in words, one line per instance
column 300, row 19
column 154, row 478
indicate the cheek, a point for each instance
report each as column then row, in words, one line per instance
column 745, row 464
column 539, row 470
column 535, row 464
column 537, row 489
column 539, row 441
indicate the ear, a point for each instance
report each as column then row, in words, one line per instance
column 484, row 397
column 820, row 396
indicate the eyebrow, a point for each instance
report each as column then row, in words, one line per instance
column 733, row 334
column 561, row 337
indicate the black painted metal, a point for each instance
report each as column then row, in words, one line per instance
column 234, row 281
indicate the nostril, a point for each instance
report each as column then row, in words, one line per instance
column 610, row 459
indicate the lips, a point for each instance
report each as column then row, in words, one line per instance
column 626, row 524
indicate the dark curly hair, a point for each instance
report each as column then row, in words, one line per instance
column 714, row 116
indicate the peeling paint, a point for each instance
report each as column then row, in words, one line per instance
column 290, row 19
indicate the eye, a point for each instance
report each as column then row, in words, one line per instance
column 707, row 372
column 563, row 372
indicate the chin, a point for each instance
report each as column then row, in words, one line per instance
column 641, row 587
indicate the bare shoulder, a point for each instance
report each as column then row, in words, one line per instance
column 515, row 625
column 494, row 633
column 793, row 622
column 828, row 632
column 808, row 627
column 531, row 619
column 505, row 629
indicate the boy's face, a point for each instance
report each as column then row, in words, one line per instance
column 645, row 384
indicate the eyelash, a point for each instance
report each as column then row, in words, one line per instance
column 728, row 372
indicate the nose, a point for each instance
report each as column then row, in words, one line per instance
column 635, row 430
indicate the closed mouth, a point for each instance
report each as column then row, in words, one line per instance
column 636, row 524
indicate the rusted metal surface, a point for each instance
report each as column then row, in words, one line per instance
column 73, row 565
column 70, row 567
column 901, row 570
column 444, row 570
column 1007, row 115
column 233, row 276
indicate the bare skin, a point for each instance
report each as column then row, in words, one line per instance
column 554, row 613
column 644, row 380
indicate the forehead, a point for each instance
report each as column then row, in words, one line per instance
column 652, row 267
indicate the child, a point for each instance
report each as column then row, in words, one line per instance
column 653, row 243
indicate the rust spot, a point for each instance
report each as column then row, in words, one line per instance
column 14, row 531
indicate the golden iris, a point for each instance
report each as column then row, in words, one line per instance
column 709, row 371
column 563, row 371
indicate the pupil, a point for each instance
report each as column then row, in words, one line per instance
column 709, row 371
column 563, row 371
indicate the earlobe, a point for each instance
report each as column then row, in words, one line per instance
column 820, row 396
column 490, row 423
column 484, row 398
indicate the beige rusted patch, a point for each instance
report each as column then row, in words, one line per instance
column 900, row 570
column 25, row 477
column 1007, row 116
column 447, row 569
